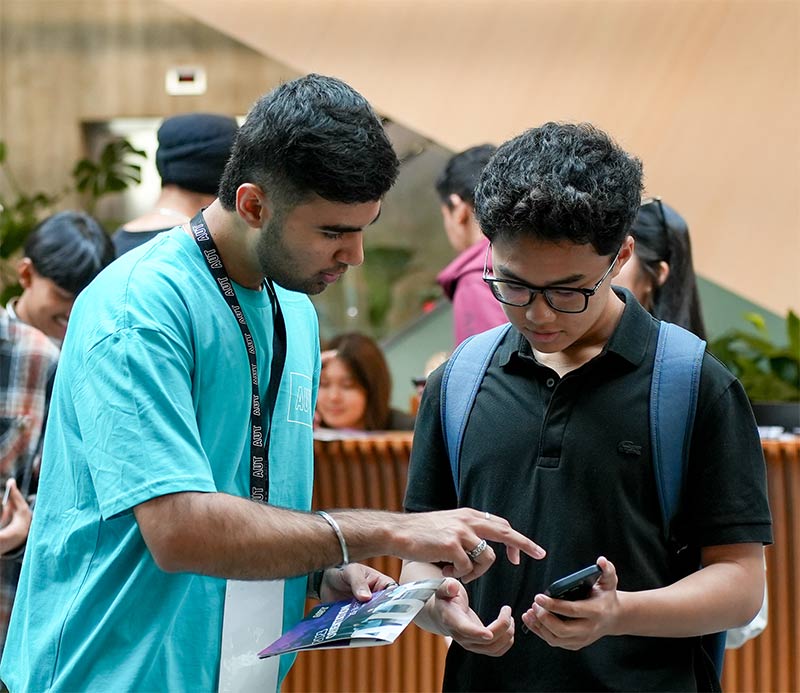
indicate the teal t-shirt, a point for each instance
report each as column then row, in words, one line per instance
column 152, row 396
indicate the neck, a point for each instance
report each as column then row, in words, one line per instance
column 21, row 309
column 590, row 344
column 473, row 233
column 174, row 206
column 234, row 241
column 179, row 202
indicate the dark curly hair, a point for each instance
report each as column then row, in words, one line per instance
column 313, row 135
column 560, row 182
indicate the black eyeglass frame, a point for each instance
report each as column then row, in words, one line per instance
column 534, row 290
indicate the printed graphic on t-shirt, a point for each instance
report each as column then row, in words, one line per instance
column 300, row 400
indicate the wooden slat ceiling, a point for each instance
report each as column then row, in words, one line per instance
column 706, row 92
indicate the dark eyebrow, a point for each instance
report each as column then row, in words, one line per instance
column 571, row 279
column 341, row 228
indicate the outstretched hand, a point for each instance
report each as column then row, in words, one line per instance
column 15, row 521
column 449, row 613
column 575, row 625
column 449, row 536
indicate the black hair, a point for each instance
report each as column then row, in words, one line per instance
column 313, row 135
column 69, row 248
column 462, row 172
column 560, row 182
column 662, row 235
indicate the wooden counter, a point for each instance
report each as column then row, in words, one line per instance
column 370, row 472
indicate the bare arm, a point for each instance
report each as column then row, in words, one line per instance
column 727, row 592
column 448, row 613
column 227, row 536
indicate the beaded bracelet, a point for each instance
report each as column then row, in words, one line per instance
column 342, row 543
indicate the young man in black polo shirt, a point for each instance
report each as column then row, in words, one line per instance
column 558, row 442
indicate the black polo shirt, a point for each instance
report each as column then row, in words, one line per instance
column 567, row 462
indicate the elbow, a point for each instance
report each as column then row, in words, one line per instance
column 752, row 605
column 166, row 532
column 167, row 560
column 166, row 549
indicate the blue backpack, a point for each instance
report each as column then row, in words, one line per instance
column 673, row 401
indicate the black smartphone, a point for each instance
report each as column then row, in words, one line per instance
column 576, row 586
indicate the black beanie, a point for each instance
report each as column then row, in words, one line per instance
column 193, row 149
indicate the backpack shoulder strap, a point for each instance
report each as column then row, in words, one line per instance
column 461, row 380
column 673, row 402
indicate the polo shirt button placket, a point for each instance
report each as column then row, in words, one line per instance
column 550, row 382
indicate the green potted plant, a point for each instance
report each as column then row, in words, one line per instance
column 769, row 372
column 116, row 168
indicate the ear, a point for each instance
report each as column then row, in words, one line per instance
column 252, row 205
column 25, row 270
column 662, row 274
column 625, row 254
column 460, row 210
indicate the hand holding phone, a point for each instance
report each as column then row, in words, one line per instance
column 573, row 587
column 576, row 586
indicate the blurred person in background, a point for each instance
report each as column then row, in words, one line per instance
column 61, row 256
column 192, row 151
column 474, row 307
column 661, row 274
column 27, row 364
column 355, row 387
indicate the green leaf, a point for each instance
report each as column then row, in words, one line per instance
column 793, row 332
column 757, row 321
column 767, row 371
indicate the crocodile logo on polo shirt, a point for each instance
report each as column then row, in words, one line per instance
column 629, row 448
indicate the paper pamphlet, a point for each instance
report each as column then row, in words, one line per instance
column 357, row 624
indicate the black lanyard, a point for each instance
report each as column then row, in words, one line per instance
column 259, row 434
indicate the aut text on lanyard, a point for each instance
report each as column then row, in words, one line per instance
column 259, row 434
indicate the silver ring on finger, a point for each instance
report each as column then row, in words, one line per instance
column 477, row 551
column 486, row 515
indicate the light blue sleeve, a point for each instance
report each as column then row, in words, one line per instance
column 138, row 420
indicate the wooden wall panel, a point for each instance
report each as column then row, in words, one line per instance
column 706, row 92
column 66, row 62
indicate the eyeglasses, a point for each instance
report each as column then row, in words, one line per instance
column 563, row 299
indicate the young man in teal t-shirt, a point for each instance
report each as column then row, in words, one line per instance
column 172, row 539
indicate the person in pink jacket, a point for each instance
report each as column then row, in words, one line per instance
column 474, row 307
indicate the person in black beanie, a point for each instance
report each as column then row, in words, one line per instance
column 193, row 149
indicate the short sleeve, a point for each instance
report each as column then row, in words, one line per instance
column 137, row 420
column 726, row 484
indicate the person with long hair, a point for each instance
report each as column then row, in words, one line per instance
column 355, row 387
column 661, row 274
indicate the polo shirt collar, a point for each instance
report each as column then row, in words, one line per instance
column 631, row 337
column 629, row 340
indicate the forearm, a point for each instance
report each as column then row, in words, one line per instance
column 227, row 536
column 723, row 595
column 426, row 618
